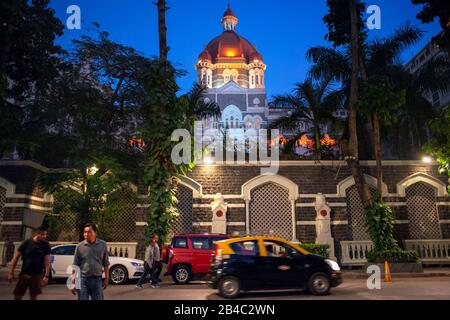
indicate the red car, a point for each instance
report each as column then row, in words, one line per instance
column 189, row 256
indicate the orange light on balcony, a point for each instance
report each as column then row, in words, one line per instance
column 136, row 142
column 283, row 140
column 327, row 141
column 305, row 142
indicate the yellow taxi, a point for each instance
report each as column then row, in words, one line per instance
column 269, row 263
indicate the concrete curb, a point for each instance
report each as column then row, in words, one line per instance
column 348, row 275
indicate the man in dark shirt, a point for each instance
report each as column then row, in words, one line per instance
column 91, row 256
column 35, row 253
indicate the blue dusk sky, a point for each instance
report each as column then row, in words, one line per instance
column 282, row 30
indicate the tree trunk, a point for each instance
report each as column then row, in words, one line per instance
column 162, row 28
column 352, row 157
column 368, row 127
column 377, row 152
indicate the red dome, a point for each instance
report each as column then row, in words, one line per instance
column 230, row 44
column 205, row 55
column 256, row 56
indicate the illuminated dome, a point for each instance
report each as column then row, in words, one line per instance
column 230, row 58
column 205, row 56
column 230, row 45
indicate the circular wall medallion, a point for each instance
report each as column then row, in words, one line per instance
column 323, row 213
column 219, row 214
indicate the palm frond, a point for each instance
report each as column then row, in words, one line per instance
column 290, row 122
column 287, row 101
column 334, row 100
column 195, row 103
column 307, row 92
column 434, row 75
column 384, row 52
column 329, row 63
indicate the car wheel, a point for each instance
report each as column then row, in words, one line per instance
column 118, row 275
column 182, row 274
column 319, row 284
column 229, row 287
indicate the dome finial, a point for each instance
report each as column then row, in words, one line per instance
column 229, row 20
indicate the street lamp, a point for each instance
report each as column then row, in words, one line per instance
column 426, row 159
column 208, row 160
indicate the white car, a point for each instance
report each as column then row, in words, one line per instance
column 120, row 269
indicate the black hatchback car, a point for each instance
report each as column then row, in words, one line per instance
column 269, row 263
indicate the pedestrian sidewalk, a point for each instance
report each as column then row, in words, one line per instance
column 427, row 272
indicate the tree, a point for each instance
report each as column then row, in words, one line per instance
column 29, row 60
column 378, row 95
column 439, row 146
column 89, row 190
column 162, row 113
column 345, row 27
column 433, row 9
column 162, row 30
column 312, row 104
column 409, row 135
column 91, row 106
column 195, row 106
column 118, row 68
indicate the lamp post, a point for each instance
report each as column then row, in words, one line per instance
column 92, row 170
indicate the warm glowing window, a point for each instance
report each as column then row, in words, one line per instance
column 229, row 75
column 234, row 75
column 230, row 53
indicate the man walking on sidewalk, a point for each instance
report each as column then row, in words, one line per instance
column 35, row 253
column 91, row 256
column 147, row 266
column 153, row 261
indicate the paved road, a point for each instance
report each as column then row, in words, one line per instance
column 434, row 288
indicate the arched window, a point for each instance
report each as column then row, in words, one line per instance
column 257, row 122
column 226, row 75
column 209, row 73
column 257, row 79
column 248, row 120
column 231, row 116
column 234, row 75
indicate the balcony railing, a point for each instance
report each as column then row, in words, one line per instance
column 354, row 252
column 431, row 251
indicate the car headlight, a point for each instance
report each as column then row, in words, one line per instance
column 333, row 264
column 137, row 265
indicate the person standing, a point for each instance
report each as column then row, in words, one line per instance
column 155, row 259
column 147, row 266
column 35, row 253
column 91, row 256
